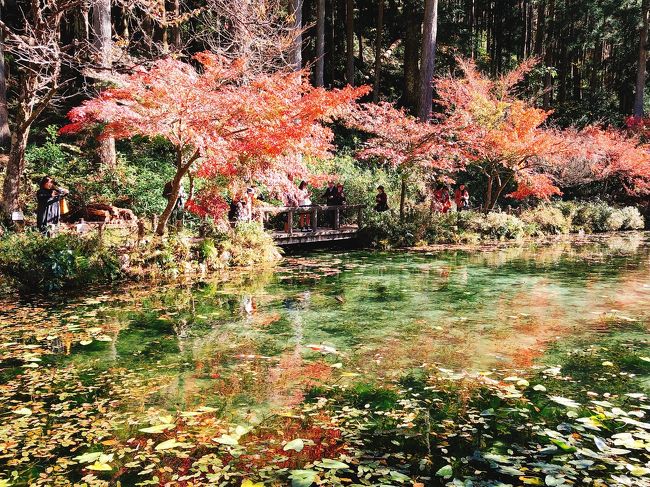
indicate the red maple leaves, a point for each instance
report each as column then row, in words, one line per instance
column 223, row 123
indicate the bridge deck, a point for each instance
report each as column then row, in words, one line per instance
column 345, row 232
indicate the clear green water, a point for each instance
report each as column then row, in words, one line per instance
column 257, row 343
column 376, row 314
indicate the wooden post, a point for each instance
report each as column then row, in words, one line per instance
column 154, row 222
column 359, row 216
column 336, row 217
column 100, row 232
column 314, row 219
column 290, row 222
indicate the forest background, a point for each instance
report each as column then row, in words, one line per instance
column 591, row 59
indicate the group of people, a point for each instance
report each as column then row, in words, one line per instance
column 442, row 203
column 334, row 196
column 241, row 206
column 50, row 197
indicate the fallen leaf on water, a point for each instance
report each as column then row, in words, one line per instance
column 296, row 445
column 159, row 428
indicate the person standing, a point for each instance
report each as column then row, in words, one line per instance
column 328, row 196
column 461, row 196
column 381, row 200
column 48, row 212
column 446, row 200
column 339, row 200
column 304, row 199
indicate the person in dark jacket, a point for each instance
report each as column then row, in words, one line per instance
column 328, row 196
column 48, row 212
column 381, row 199
column 339, row 197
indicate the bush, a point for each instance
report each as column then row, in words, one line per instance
column 632, row 219
column 502, row 226
column 598, row 216
column 34, row 262
column 592, row 217
column 548, row 220
column 249, row 244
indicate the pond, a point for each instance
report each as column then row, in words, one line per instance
column 514, row 365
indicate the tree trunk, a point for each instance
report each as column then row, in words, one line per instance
column 320, row 44
column 487, row 204
column 643, row 58
column 402, row 198
column 411, row 55
column 16, row 163
column 539, row 29
column 378, row 41
column 182, row 168
column 428, row 59
column 5, row 134
column 102, row 41
column 296, row 51
column 176, row 26
column 548, row 57
column 349, row 42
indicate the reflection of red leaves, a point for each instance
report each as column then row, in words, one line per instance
column 268, row 444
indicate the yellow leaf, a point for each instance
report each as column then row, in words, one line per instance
column 249, row 483
column 531, row 480
column 100, row 467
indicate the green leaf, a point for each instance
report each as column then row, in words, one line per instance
column 227, row 440
column 169, row 444
column 445, row 472
column 100, row 467
column 303, row 478
column 564, row 401
column 88, row 457
column 332, row 464
column 563, row 445
column 295, row 445
column 399, row 476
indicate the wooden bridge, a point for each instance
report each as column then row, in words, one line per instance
column 332, row 215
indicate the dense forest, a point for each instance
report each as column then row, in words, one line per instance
column 591, row 54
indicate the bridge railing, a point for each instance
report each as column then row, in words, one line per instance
column 314, row 210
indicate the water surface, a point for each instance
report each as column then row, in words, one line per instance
column 257, row 344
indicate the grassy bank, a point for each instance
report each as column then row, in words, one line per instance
column 421, row 227
column 34, row 263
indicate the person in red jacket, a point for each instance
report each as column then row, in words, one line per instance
column 461, row 195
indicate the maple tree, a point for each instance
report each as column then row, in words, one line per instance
column 502, row 136
column 609, row 153
column 223, row 122
column 403, row 142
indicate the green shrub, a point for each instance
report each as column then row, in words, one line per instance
column 547, row 220
column 249, row 244
column 502, row 226
column 598, row 216
column 632, row 219
column 37, row 263
column 592, row 217
column 615, row 220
